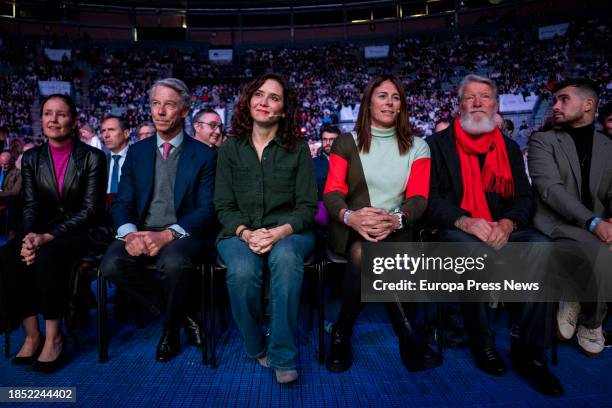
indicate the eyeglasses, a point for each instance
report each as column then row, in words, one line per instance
column 213, row 125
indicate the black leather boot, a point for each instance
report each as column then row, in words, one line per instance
column 193, row 330
column 340, row 357
column 530, row 363
column 414, row 350
column 169, row 344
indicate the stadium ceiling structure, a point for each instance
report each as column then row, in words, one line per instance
column 241, row 14
column 243, row 5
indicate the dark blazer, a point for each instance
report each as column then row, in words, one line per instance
column 81, row 205
column 193, row 188
column 555, row 171
column 109, row 159
column 446, row 185
column 321, row 167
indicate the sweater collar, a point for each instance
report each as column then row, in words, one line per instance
column 383, row 133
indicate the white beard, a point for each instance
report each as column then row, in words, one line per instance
column 473, row 127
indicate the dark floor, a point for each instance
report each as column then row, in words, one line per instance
column 132, row 378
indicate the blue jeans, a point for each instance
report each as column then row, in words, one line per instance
column 244, row 283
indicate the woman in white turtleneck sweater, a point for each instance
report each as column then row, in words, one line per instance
column 377, row 187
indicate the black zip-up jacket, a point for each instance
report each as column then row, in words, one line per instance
column 81, row 204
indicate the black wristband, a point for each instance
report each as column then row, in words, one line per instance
column 588, row 223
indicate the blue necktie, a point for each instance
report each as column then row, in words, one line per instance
column 1, row 179
column 115, row 174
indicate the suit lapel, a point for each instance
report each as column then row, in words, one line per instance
column 75, row 164
column 449, row 151
column 184, row 172
column 598, row 161
column 569, row 148
column 146, row 165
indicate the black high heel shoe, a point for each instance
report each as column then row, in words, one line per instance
column 51, row 366
column 23, row 361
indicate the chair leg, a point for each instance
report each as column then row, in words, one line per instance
column 213, row 350
column 440, row 328
column 222, row 306
column 102, row 319
column 311, row 295
column 321, row 320
column 7, row 344
column 555, row 350
column 425, row 318
column 204, row 269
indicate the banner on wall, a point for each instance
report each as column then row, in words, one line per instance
column 220, row 55
column 47, row 88
column 550, row 31
column 376, row 51
column 517, row 103
column 57, row 54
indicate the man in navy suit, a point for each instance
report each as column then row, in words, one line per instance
column 116, row 137
column 164, row 215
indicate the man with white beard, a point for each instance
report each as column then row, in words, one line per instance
column 479, row 194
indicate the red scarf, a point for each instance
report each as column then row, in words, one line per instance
column 495, row 176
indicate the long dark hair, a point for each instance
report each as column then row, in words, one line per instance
column 71, row 107
column 288, row 126
column 364, row 119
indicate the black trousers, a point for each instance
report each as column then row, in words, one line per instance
column 171, row 288
column 10, row 217
column 534, row 321
column 399, row 312
column 42, row 287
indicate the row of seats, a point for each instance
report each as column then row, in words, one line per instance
column 212, row 274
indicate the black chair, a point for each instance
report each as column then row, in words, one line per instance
column 426, row 234
column 102, row 315
column 217, row 267
column 331, row 258
column 554, row 344
column 77, row 274
column 7, row 326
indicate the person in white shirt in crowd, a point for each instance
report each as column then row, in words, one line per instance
column 88, row 136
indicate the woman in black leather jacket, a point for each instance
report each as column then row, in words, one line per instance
column 64, row 184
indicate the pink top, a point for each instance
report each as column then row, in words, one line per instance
column 61, row 157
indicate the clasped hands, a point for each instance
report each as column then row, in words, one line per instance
column 30, row 244
column 493, row 233
column 147, row 243
column 262, row 240
column 603, row 231
column 373, row 224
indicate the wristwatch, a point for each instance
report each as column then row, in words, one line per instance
column 400, row 217
column 175, row 234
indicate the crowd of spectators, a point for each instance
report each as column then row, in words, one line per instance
column 593, row 56
column 326, row 78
